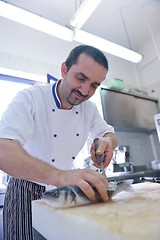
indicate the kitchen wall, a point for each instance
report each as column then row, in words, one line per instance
column 145, row 75
column 149, row 68
column 28, row 65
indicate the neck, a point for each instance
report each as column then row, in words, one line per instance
column 64, row 105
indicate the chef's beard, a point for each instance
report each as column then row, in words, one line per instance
column 73, row 101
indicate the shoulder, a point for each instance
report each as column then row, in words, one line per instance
column 89, row 106
column 89, row 103
column 34, row 92
column 38, row 89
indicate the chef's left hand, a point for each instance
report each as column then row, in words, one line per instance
column 104, row 146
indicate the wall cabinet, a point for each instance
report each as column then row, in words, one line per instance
column 126, row 110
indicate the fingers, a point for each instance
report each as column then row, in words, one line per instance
column 94, row 179
column 104, row 146
column 87, row 189
column 108, row 154
column 86, row 179
column 93, row 155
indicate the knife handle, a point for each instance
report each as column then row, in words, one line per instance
column 99, row 158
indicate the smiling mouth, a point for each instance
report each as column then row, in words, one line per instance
column 78, row 94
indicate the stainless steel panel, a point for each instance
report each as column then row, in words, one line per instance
column 118, row 109
column 128, row 111
column 145, row 110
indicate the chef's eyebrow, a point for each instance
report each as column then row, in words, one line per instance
column 83, row 75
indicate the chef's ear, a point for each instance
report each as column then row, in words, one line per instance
column 63, row 69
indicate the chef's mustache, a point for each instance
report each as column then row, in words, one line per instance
column 79, row 93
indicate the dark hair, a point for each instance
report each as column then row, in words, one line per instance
column 93, row 52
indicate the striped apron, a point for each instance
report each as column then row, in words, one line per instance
column 17, row 210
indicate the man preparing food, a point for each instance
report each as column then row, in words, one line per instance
column 43, row 130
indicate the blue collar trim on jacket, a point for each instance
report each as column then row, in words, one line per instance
column 54, row 92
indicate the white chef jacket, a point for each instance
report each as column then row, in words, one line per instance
column 45, row 131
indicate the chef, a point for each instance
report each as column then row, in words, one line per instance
column 43, row 130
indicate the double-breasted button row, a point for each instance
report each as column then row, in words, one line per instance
column 56, row 135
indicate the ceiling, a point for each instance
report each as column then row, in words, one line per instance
column 129, row 23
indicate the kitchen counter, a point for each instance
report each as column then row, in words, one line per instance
column 133, row 175
column 129, row 216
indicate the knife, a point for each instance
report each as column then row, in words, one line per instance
column 99, row 158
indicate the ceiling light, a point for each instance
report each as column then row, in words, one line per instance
column 34, row 21
column 107, row 46
column 44, row 25
column 84, row 11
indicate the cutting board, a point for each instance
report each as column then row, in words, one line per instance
column 128, row 216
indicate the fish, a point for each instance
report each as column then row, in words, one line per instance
column 72, row 196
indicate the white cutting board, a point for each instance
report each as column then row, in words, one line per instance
column 129, row 216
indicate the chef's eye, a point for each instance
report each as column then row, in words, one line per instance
column 94, row 86
column 80, row 78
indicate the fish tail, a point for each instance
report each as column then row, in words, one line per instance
column 127, row 185
column 120, row 187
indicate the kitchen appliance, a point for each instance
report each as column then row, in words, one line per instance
column 157, row 123
column 155, row 165
column 122, row 160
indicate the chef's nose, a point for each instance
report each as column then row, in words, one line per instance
column 85, row 89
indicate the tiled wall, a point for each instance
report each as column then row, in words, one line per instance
column 144, row 148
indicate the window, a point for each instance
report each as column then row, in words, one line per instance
column 9, row 86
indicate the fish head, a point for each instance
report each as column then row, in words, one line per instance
column 59, row 197
column 55, row 197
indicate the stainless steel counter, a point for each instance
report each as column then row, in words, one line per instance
column 133, row 175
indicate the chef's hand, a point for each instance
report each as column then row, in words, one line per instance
column 106, row 145
column 85, row 179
